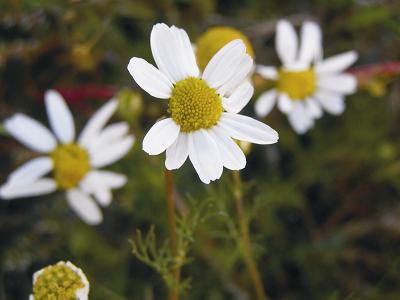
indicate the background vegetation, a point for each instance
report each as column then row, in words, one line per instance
column 324, row 208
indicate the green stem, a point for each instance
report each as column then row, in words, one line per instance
column 174, row 290
column 245, row 239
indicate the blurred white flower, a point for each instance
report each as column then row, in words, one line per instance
column 74, row 164
column 204, row 107
column 305, row 84
column 60, row 281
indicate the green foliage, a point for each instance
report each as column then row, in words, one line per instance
column 159, row 258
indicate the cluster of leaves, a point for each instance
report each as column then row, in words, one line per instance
column 323, row 208
column 161, row 259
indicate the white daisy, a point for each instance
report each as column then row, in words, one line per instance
column 60, row 281
column 305, row 84
column 204, row 119
column 74, row 163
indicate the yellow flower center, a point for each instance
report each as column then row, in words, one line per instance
column 214, row 39
column 194, row 105
column 71, row 163
column 298, row 85
column 57, row 282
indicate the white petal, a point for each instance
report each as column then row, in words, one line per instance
column 31, row 171
column 265, row 103
column 285, row 104
column 239, row 76
column 40, row 187
column 311, row 43
column 150, row 78
column 112, row 153
column 162, row 135
column 333, row 103
column 342, row 83
column 169, row 54
column 337, row 63
column 103, row 196
column 224, row 63
column 30, row 133
column 286, row 42
column 97, row 122
column 99, row 185
column 313, row 107
column 299, row 118
column 84, row 206
column 109, row 135
column 177, row 153
column 204, row 155
column 267, row 72
column 188, row 53
column 239, row 98
column 60, row 117
column 247, row 129
column 232, row 156
column 96, row 179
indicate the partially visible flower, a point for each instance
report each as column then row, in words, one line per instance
column 60, row 281
column 199, row 127
column 211, row 41
column 306, row 84
column 74, row 163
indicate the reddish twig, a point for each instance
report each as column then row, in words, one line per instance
column 366, row 73
column 87, row 92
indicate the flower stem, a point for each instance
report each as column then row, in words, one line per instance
column 245, row 239
column 174, row 290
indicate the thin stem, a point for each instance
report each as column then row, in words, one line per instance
column 174, row 290
column 245, row 239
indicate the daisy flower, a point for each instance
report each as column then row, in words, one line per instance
column 60, row 281
column 306, row 84
column 211, row 41
column 74, row 163
column 203, row 120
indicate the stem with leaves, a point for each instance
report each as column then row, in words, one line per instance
column 174, row 290
column 245, row 238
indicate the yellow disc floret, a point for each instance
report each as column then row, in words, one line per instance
column 208, row 44
column 298, row 85
column 57, row 282
column 194, row 105
column 71, row 164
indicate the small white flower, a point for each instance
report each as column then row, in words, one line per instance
column 60, row 281
column 305, row 84
column 74, row 164
column 198, row 127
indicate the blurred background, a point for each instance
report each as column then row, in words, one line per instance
column 324, row 208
